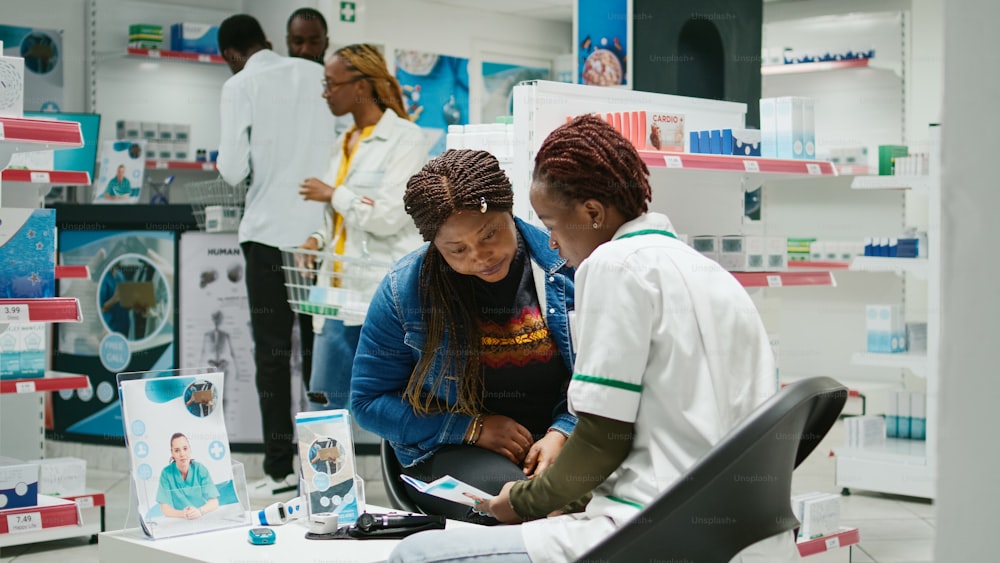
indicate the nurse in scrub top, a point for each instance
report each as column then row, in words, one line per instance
column 186, row 487
column 671, row 355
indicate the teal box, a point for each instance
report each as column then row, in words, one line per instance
column 28, row 253
column 195, row 38
column 22, row 351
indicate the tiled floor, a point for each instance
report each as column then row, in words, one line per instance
column 893, row 529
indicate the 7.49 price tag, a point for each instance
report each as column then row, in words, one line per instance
column 13, row 313
column 26, row 522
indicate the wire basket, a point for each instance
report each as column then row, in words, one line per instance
column 217, row 206
column 330, row 285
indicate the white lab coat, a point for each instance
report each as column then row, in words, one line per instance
column 273, row 119
column 670, row 341
column 382, row 230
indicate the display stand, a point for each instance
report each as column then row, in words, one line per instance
column 21, row 399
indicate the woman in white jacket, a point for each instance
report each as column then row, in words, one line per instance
column 364, row 192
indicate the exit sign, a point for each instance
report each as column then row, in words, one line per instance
column 347, row 12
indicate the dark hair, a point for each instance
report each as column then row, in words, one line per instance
column 241, row 32
column 455, row 181
column 307, row 14
column 587, row 159
column 369, row 63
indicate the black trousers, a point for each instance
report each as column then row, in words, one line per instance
column 271, row 321
column 481, row 468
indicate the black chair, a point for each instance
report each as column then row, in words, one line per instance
column 394, row 486
column 739, row 492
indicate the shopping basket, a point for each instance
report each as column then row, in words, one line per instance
column 216, row 205
column 330, row 285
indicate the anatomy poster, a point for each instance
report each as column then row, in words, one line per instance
column 215, row 328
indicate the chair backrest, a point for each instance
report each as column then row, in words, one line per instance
column 740, row 492
column 395, row 488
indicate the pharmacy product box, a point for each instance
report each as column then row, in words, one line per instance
column 693, row 145
column 777, row 253
column 164, row 150
column 18, row 483
column 892, row 415
column 182, row 132
column 165, row 131
column 820, row 516
column 789, row 127
column 22, row 350
column 705, row 142
column 222, row 219
column 746, row 142
column 182, row 149
column 807, row 107
column 28, row 253
column 886, row 328
column 732, row 253
column 707, row 245
column 904, row 413
column 195, row 38
column 887, row 158
column 145, row 31
column 798, row 501
column 128, row 129
column 61, row 476
column 151, row 149
column 150, row 130
column 664, row 131
column 918, row 416
column 768, row 128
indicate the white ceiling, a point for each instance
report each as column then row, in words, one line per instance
column 557, row 10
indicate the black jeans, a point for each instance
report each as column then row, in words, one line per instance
column 271, row 321
column 481, row 468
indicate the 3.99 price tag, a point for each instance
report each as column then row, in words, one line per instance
column 13, row 314
column 27, row 522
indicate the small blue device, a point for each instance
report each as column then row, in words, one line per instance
column 262, row 536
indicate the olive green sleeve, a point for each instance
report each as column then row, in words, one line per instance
column 594, row 451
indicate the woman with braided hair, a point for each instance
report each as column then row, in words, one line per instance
column 363, row 191
column 671, row 356
column 465, row 355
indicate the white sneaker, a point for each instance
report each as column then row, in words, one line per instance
column 269, row 486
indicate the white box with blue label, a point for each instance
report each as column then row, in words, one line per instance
column 195, row 38
column 61, row 476
column 18, row 483
column 886, row 329
column 28, row 253
column 22, row 350
column 788, row 127
column 768, row 128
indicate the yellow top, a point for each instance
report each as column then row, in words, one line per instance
column 339, row 235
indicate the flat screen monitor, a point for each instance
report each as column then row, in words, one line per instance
column 83, row 159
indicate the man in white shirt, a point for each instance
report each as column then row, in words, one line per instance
column 306, row 38
column 275, row 130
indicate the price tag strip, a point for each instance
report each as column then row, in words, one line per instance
column 25, row 522
column 24, row 387
column 40, row 177
column 14, row 314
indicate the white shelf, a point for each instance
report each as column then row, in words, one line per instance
column 915, row 266
column 896, row 450
column 915, row 361
column 899, row 467
column 820, row 66
column 737, row 163
column 53, row 177
column 915, row 183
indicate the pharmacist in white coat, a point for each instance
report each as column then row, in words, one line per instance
column 671, row 355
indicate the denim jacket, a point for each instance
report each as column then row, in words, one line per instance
column 392, row 342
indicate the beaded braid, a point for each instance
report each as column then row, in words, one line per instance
column 458, row 180
column 587, row 159
column 365, row 59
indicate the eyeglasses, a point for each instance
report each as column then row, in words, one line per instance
column 327, row 85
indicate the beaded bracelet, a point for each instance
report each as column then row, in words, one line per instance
column 470, row 438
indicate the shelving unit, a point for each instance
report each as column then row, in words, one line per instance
column 821, row 66
column 52, row 518
column 157, row 164
column 903, row 466
column 844, row 538
column 179, row 56
column 785, row 279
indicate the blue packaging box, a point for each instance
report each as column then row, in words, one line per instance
column 18, row 483
column 715, row 138
column 745, row 142
column 28, row 253
column 195, row 38
column 704, row 142
column 694, row 145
